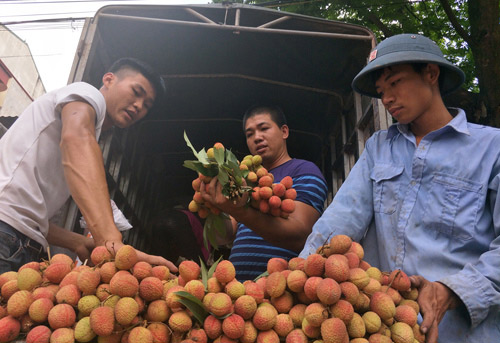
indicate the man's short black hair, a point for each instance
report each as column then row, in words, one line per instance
column 274, row 111
column 145, row 69
column 418, row 67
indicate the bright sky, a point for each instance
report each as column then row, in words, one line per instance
column 53, row 44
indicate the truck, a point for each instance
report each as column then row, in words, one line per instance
column 216, row 61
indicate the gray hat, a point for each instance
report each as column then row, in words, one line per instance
column 407, row 48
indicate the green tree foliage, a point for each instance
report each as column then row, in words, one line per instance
column 468, row 32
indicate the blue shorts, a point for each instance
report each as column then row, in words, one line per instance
column 17, row 249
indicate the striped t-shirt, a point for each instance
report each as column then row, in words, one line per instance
column 250, row 252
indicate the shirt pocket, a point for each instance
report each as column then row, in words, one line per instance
column 386, row 184
column 452, row 206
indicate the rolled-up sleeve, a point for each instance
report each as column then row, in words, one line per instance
column 350, row 212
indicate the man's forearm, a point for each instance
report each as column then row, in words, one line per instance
column 63, row 238
column 290, row 233
column 84, row 171
column 88, row 187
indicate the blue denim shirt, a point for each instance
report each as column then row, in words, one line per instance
column 430, row 210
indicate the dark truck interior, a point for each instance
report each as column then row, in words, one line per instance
column 217, row 60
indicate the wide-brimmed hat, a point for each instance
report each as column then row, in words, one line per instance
column 407, row 48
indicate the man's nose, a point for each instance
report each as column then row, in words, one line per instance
column 139, row 105
column 387, row 98
column 258, row 136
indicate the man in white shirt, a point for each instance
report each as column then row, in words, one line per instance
column 52, row 152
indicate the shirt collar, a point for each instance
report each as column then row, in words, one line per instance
column 458, row 123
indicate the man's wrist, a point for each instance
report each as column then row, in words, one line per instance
column 454, row 300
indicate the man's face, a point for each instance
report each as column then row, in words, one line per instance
column 129, row 96
column 405, row 93
column 265, row 138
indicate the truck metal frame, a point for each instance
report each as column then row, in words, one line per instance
column 217, row 60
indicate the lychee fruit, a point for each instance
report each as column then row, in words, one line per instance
column 161, row 272
column 356, row 327
column 284, row 324
column 372, row 322
column 264, row 317
column 315, row 314
column 142, row 270
column 151, row 288
column 234, row 289
column 220, row 304
column 269, row 336
column 245, row 306
column 28, row 279
column 287, row 181
column 399, row 280
column 161, row 333
column 288, row 205
column 39, row 334
column 83, row 331
column 254, row 290
column 342, row 310
column 88, row 280
column 19, row 303
column 100, row 254
column 125, row 257
column 382, row 304
column 189, row 270
column 9, row 329
column 314, row 265
column 39, row 309
column 275, row 284
column 61, row 316
column 140, row 334
column 124, row 284
column 337, row 267
column 233, row 326
column 180, row 321
column 86, row 304
column 406, row 314
column 328, row 291
column 62, row 258
column 125, row 310
column 62, row 335
column 333, row 330
column 225, row 272
column 69, row 294
column 402, row 333
column 196, row 288
column 55, row 272
column 212, row 326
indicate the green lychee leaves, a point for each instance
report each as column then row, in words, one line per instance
column 226, row 167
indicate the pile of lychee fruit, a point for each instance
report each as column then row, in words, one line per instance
column 277, row 199
column 332, row 296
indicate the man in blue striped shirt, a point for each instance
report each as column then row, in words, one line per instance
column 259, row 236
column 424, row 195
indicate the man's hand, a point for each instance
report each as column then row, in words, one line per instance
column 434, row 299
column 113, row 246
column 84, row 248
column 212, row 193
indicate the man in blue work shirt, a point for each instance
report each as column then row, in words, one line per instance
column 424, row 195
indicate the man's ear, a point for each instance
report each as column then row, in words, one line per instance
column 285, row 131
column 107, row 79
column 433, row 72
